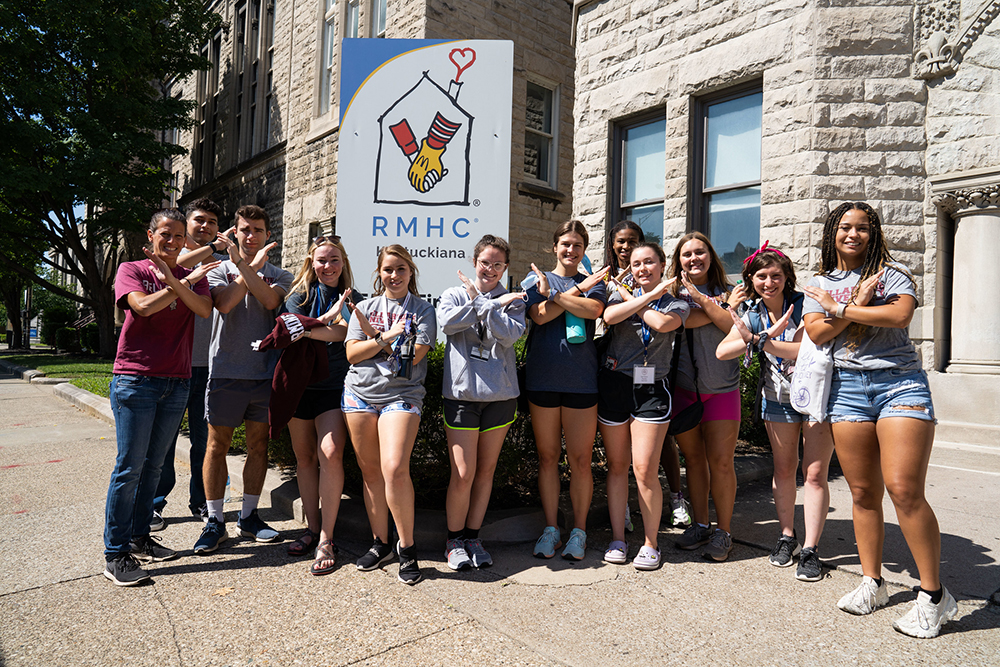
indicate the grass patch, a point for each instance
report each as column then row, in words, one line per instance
column 90, row 373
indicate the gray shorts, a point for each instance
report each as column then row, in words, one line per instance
column 231, row 402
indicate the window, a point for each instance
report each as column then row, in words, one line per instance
column 639, row 175
column 540, row 134
column 253, row 65
column 207, row 119
column 378, row 18
column 353, row 18
column 329, row 41
column 727, row 174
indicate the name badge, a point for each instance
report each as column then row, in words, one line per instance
column 643, row 374
column 480, row 353
column 385, row 368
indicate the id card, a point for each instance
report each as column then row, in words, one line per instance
column 385, row 368
column 480, row 353
column 643, row 374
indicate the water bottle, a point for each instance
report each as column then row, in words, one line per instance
column 529, row 281
column 586, row 264
column 576, row 331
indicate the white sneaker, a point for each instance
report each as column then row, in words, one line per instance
column 457, row 556
column 680, row 511
column 866, row 598
column 924, row 620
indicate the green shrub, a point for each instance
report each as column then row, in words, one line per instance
column 55, row 313
column 90, row 337
column 67, row 339
column 752, row 429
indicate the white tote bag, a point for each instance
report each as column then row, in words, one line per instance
column 810, row 390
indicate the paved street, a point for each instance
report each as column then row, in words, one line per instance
column 250, row 604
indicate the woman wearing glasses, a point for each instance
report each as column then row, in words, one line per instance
column 318, row 432
column 482, row 321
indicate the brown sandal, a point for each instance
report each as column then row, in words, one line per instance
column 325, row 553
column 304, row 544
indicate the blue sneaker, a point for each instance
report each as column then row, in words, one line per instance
column 253, row 526
column 547, row 544
column 575, row 545
column 212, row 535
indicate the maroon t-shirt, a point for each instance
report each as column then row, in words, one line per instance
column 158, row 345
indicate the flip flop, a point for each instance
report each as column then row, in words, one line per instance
column 325, row 553
column 300, row 547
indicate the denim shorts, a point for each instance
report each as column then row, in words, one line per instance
column 867, row 396
column 781, row 413
column 351, row 402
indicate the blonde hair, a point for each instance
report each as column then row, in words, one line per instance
column 306, row 275
column 399, row 251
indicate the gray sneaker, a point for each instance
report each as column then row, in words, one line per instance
column 149, row 549
column 695, row 536
column 786, row 548
column 458, row 557
column 479, row 556
column 809, row 568
column 720, row 545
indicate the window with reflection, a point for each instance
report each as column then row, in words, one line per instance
column 727, row 174
column 639, row 174
column 378, row 18
column 539, row 134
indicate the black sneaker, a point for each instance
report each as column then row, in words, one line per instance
column 254, row 527
column 380, row 554
column 212, row 535
column 809, row 568
column 124, row 570
column 158, row 523
column 784, row 551
column 409, row 571
column 149, row 549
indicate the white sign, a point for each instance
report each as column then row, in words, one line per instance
column 424, row 157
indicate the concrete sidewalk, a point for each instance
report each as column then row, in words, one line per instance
column 252, row 604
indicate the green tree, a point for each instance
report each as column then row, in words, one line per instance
column 84, row 89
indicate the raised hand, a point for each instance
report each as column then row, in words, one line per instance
column 866, row 290
column 470, row 287
column 160, row 268
column 590, row 281
column 741, row 327
column 201, row 271
column 334, row 312
column 822, row 297
column 778, row 327
column 738, row 296
column 260, row 259
column 699, row 299
column 543, row 281
column 366, row 326
column 510, row 297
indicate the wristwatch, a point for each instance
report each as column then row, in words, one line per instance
column 378, row 339
column 841, row 307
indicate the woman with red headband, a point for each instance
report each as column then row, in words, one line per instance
column 773, row 327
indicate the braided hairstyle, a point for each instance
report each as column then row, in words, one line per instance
column 610, row 258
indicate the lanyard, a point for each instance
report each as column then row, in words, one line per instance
column 647, row 333
column 385, row 309
column 765, row 316
column 319, row 307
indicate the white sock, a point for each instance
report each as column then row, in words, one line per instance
column 249, row 504
column 215, row 510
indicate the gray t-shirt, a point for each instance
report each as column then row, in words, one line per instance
column 553, row 363
column 778, row 378
column 202, row 326
column 230, row 354
column 364, row 379
column 627, row 350
column 714, row 376
column 866, row 348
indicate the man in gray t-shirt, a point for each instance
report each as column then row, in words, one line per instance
column 247, row 291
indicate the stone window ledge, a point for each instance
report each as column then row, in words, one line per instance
column 323, row 126
column 541, row 192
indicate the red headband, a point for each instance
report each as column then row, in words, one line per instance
column 762, row 249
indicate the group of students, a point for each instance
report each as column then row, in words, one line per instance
column 630, row 383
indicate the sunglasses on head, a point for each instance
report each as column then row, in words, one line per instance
column 333, row 238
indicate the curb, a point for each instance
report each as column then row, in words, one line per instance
column 506, row 526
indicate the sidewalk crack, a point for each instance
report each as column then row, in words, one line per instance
column 173, row 627
column 406, row 643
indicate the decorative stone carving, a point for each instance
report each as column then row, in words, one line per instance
column 942, row 54
column 958, row 203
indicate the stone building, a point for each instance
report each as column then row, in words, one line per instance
column 751, row 119
column 267, row 117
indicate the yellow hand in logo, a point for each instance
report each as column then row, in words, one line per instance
column 427, row 168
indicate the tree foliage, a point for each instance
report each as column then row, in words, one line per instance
column 84, row 93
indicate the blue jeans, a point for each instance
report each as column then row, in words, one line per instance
column 147, row 411
column 198, row 434
column 867, row 396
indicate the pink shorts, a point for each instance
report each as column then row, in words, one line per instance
column 718, row 407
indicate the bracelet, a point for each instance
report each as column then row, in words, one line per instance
column 186, row 284
column 241, row 261
column 840, row 311
column 762, row 341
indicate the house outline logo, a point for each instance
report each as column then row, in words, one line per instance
column 435, row 170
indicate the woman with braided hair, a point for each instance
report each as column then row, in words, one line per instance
column 880, row 408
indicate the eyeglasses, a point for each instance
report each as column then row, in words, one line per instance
column 496, row 266
column 333, row 238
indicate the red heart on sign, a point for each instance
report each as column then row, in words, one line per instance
column 462, row 59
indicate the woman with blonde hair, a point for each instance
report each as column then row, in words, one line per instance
column 319, row 434
column 387, row 343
